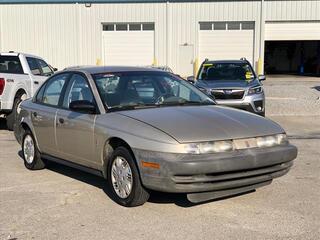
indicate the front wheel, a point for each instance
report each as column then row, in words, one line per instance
column 124, row 179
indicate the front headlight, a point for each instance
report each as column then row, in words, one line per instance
column 237, row 144
column 270, row 141
column 282, row 138
column 255, row 90
column 209, row 147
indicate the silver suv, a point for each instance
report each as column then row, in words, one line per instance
column 232, row 83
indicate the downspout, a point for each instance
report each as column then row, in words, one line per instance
column 1, row 37
column 167, row 33
column 261, row 43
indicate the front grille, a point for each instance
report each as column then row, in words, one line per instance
column 225, row 94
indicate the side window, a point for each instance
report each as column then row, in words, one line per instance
column 33, row 65
column 40, row 93
column 53, row 89
column 46, row 70
column 180, row 90
column 78, row 89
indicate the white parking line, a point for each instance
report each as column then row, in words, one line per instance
column 281, row 98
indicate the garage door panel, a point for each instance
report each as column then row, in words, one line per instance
column 292, row 31
column 128, row 47
column 226, row 44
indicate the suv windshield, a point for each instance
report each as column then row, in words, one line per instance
column 146, row 89
column 226, row 72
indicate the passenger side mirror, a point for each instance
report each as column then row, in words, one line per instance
column 262, row 77
column 83, row 106
column 191, row 79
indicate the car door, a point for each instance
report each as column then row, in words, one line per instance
column 44, row 113
column 40, row 71
column 75, row 130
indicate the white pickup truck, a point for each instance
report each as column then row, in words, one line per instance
column 20, row 76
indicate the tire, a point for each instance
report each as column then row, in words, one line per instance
column 12, row 117
column 137, row 195
column 35, row 162
column 262, row 114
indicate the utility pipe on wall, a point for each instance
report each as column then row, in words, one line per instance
column 261, row 43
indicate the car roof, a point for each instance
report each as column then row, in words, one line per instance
column 12, row 53
column 224, row 61
column 105, row 69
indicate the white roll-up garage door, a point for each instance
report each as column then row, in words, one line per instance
column 277, row 31
column 128, row 44
column 226, row 40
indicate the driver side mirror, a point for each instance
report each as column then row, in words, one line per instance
column 262, row 77
column 83, row 106
column 191, row 79
column 53, row 68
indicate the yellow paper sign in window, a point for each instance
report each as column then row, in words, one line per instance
column 249, row 76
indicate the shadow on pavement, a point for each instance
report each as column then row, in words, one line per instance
column 316, row 88
column 3, row 124
column 99, row 182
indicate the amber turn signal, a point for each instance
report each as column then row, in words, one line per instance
column 150, row 165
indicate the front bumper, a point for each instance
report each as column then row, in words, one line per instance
column 252, row 103
column 242, row 169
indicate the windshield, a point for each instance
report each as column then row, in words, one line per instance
column 146, row 89
column 226, row 72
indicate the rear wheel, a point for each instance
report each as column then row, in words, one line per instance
column 12, row 117
column 31, row 154
column 124, row 179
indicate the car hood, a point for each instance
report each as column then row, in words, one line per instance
column 204, row 123
column 226, row 84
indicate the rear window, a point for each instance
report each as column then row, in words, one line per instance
column 10, row 64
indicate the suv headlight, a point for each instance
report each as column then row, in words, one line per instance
column 209, row 147
column 255, row 90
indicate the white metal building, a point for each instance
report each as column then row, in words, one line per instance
column 180, row 34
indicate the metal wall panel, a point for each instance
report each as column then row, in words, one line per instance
column 185, row 18
column 49, row 31
column 71, row 34
column 294, row 10
column 91, row 19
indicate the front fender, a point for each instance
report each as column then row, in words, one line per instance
column 23, row 122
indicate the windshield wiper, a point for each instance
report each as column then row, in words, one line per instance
column 154, row 105
column 185, row 103
column 132, row 107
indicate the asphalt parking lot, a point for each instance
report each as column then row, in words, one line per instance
column 63, row 203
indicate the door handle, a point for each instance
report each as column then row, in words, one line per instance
column 36, row 82
column 61, row 120
column 35, row 114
